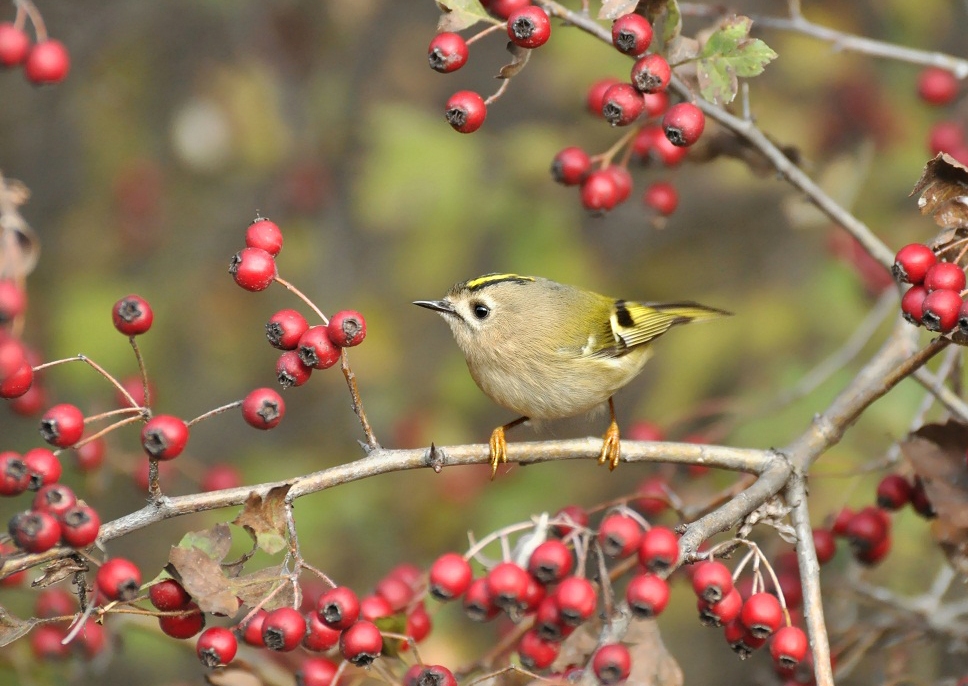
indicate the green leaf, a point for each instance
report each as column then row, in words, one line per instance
column 728, row 54
column 460, row 14
column 672, row 25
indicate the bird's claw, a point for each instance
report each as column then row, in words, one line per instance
column 611, row 447
column 499, row 449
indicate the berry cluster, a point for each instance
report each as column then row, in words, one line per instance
column 528, row 27
column 304, row 347
column 935, row 298
column 939, row 87
column 44, row 62
column 58, row 608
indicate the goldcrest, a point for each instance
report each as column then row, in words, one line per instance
column 545, row 350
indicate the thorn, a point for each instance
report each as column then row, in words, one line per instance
column 435, row 458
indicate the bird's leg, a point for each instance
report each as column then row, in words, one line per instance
column 611, row 448
column 499, row 447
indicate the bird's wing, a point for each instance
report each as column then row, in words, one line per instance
column 633, row 324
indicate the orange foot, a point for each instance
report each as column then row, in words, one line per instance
column 611, row 448
column 499, row 449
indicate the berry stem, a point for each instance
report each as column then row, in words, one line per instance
column 40, row 29
column 357, row 401
column 497, row 26
column 496, row 95
column 605, row 158
column 99, row 369
column 141, row 370
column 212, row 413
column 111, row 427
column 111, row 413
column 302, row 296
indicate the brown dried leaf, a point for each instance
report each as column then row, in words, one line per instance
column 197, row 564
column 944, row 192
column 682, row 49
column 265, row 519
column 519, row 58
column 252, row 588
column 937, row 454
column 58, row 570
column 239, row 673
column 12, row 628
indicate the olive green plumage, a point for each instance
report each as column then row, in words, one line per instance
column 546, row 350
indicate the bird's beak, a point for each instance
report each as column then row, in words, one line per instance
column 442, row 306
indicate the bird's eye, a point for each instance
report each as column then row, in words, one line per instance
column 481, row 310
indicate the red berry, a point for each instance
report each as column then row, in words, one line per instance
column 645, row 431
column 164, row 437
column 529, row 27
column 722, row 612
column 502, row 9
column 253, row 269
column 316, row 350
column 478, row 604
column 612, row 663
column 912, row 304
column 651, row 73
column 47, row 642
column 507, row 584
column 874, row 554
column 548, row 622
column 712, row 580
column 316, row 671
column 741, row 640
column 55, row 499
column 655, row 104
column 647, row 595
column 570, row 166
column 419, row 623
column 632, row 34
column 216, row 646
column 13, row 300
column 599, row 192
column 184, row 625
column 34, row 532
column 623, row 181
column 577, row 599
column 251, row 631
column 62, row 425
column 450, row 576
column 429, row 675
column 789, row 647
column 346, row 328
column 14, row 475
column 219, row 477
column 825, row 544
column 283, row 629
column 465, row 111
column 54, row 602
column 263, row 408
column 622, row 104
column 44, row 467
column 652, row 496
column 946, row 136
column 567, row 519
column 893, row 492
column 264, row 234
column 659, row 550
column 596, row 95
column 447, row 52
column 536, row 653
column 361, row 644
column 937, row 86
column 662, row 197
column 93, row 639
column 285, row 328
column 683, row 124
column 867, row 528
column 550, row 562
column 119, row 579
column 761, row 614
column 944, row 276
column 373, row 607
column 14, row 45
column 90, row 455
column 132, row 315
column 47, row 62
column 940, row 310
column 338, row 608
column 911, row 263
column 168, row 595
column 619, row 535
column 290, row 370
column 30, row 402
column 319, row 637
column 13, row 355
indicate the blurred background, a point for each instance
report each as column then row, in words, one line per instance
column 181, row 120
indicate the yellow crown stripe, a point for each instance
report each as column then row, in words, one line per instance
column 491, row 279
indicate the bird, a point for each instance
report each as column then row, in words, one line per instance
column 546, row 350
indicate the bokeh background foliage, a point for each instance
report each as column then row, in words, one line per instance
column 181, row 119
